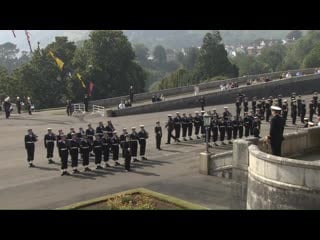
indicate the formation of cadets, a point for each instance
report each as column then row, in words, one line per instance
column 227, row 127
column 100, row 142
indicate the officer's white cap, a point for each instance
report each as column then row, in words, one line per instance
column 177, row 113
column 225, row 107
column 203, row 111
column 311, row 123
column 276, row 108
column 285, row 100
column 133, row 128
column 49, row 128
column 305, row 118
column 142, row 126
column 196, row 112
column 169, row 115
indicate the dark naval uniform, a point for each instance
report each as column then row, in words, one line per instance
column 197, row 124
column 247, row 122
column 235, row 128
column 63, row 149
column 294, row 113
column 29, row 141
column 170, row 127
column 177, row 126
column 184, row 124
column 134, row 138
column 311, row 111
column 190, row 125
column 84, row 150
column 122, row 139
column 303, row 112
column 158, row 133
column 240, row 128
column 214, row 127
column 276, row 134
column 49, row 140
column 229, row 130
column 143, row 136
column 115, row 141
column 106, row 144
column 74, row 153
column 97, row 149
column 99, row 130
column 222, row 130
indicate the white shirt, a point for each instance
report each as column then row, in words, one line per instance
column 121, row 106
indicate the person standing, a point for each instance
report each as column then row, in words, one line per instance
column 134, row 138
column 190, row 125
column 29, row 104
column 302, row 111
column 214, row 128
column 143, row 136
column 106, row 144
column 311, row 110
column 63, row 149
column 49, row 140
column 123, row 138
column 184, row 124
column 299, row 102
column 97, row 149
column 177, row 126
column 241, row 123
column 131, row 93
column 29, row 141
column 276, row 131
column 158, row 133
column 268, row 110
column 202, row 102
column 7, row 107
column 294, row 112
column 115, row 141
column 74, row 152
column 84, row 150
column 170, row 127
column 86, row 103
column 18, row 104
column 127, row 154
column 68, row 107
column 197, row 124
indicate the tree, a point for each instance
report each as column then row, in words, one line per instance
column 192, row 57
column 141, row 52
column 8, row 55
column 213, row 60
column 294, row 35
column 160, row 55
column 248, row 65
column 312, row 60
column 272, row 57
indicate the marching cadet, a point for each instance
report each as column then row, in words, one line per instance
column 245, row 104
column 69, row 135
column 251, row 117
column 49, row 139
column 294, row 112
column 247, row 124
column 29, row 141
column 315, row 100
column 143, row 136
column 214, row 127
column 134, row 138
column 184, row 124
column 229, row 129
column 292, row 98
column 74, row 152
column 158, row 133
column 197, row 124
column 202, row 129
column 240, row 127
column 254, row 104
column 303, row 111
column 127, row 154
column 311, row 110
column 238, row 107
column 263, row 107
column 271, row 100
column 285, row 111
column 256, row 127
column 106, row 144
column 226, row 114
column 235, row 127
column 100, row 129
column 280, row 101
column 299, row 102
column 63, row 149
column 81, row 133
column 84, row 150
column 268, row 109
column 215, row 115
column 90, row 133
column 190, row 125
column 170, row 127
column 110, row 128
column 222, row 130
column 123, row 140
column 177, row 125
column 18, row 104
column 97, row 149
column 115, row 141
column 58, row 138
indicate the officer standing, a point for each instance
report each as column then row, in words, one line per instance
column 97, row 149
column 170, row 127
column 268, row 110
column 84, row 150
column 106, row 144
column 311, row 110
column 49, row 139
column 229, row 129
column 18, row 104
column 235, row 127
column 240, row 127
column 90, row 134
column 63, row 149
column 190, row 125
column 214, row 127
column 123, row 138
column 127, row 154
column 58, row 138
column 134, row 138
column 222, row 130
column 115, row 141
column 177, row 126
column 197, row 124
column 74, row 152
column 276, row 131
column 158, row 133
column 303, row 111
column 100, row 129
column 86, row 103
column 285, row 111
column 226, row 114
column 29, row 141
column 294, row 112
column 143, row 136
column 184, row 124
column 247, row 123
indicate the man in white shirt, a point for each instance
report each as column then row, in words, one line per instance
column 121, row 105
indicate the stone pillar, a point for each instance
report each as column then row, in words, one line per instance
column 240, row 163
column 204, row 163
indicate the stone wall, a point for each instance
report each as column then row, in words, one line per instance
column 212, row 164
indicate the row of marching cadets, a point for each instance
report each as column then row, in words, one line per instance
column 100, row 144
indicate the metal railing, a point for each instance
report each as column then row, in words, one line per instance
column 98, row 109
column 78, row 108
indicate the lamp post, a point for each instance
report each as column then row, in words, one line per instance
column 207, row 123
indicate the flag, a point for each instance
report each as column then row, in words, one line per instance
column 28, row 38
column 58, row 60
column 81, row 80
column 91, row 86
column 13, row 33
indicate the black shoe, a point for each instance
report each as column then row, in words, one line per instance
column 190, row 138
column 216, row 144
column 31, row 165
column 230, row 142
column 117, row 164
column 51, row 161
column 198, row 137
column 63, row 173
column 185, row 139
column 107, row 165
column 87, row 169
column 178, row 140
column 135, row 160
column 167, row 143
column 144, row 158
column 67, row 173
column 159, row 149
column 223, row 143
column 99, row 167
column 76, row 171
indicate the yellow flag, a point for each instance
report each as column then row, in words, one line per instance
column 81, row 80
column 58, row 61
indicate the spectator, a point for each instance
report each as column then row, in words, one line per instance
column 121, row 105
column 7, row 107
column 153, row 99
column 288, row 75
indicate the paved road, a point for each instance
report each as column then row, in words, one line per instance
column 173, row 171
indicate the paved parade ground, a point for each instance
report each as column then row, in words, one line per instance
column 173, row 171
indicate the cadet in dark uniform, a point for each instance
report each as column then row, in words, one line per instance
column 190, row 125
column 251, row 119
column 247, row 124
column 100, row 129
column 29, row 141
column 74, row 152
column 202, row 128
column 197, row 124
column 235, row 127
column 226, row 114
column 81, row 133
column 245, row 105
column 268, row 109
column 122, row 138
column 90, row 133
column 84, row 150
column 127, row 154
column 177, row 125
column 115, row 141
column 299, row 102
column 311, row 110
column 254, row 104
column 229, row 129
column 222, row 130
column 86, row 103
column 49, row 140
column 110, row 128
column 170, row 127
column 184, row 124
column 202, row 102
column 276, row 131
column 69, row 135
column 58, row 138
column 294, row 112
column 143, row 136
column 238, row 107
column 106, row 144
column 285, row 111
column 256, row 127
column 158, row 133
column 18, row 104
column 214, row 127
column 97, row 149
column 240, row 127
column 134, row 138
column 303, row 111
column 63, row 149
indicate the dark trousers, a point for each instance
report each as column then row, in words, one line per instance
column 115, row 152
column 86, row 107
column 302, row 115
column 97, row 156
column 142, row 147
column 29, row 110
column 310, row 116
column 106, row 155
column 50, row 147
column 240, row 132
column 30, row 152
column 184, row 130
column 246, row 131
column 203, row 129
column 197, row 129
column 190, row 130
column 209, row 134
column 276, row 148
column 133, row 148
column 235, row 132
column 74, row 157
column 127, row 159
column 229, row 133
column 85, row 158
column 158, row 141
column 294, row 118
column 177, row 131
column 7, row 114
column 19, row 109
column 214, row 134
column 285, row 115
column 268, row 114
column 64, row 159
column 222, row 134
column 170, row 135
